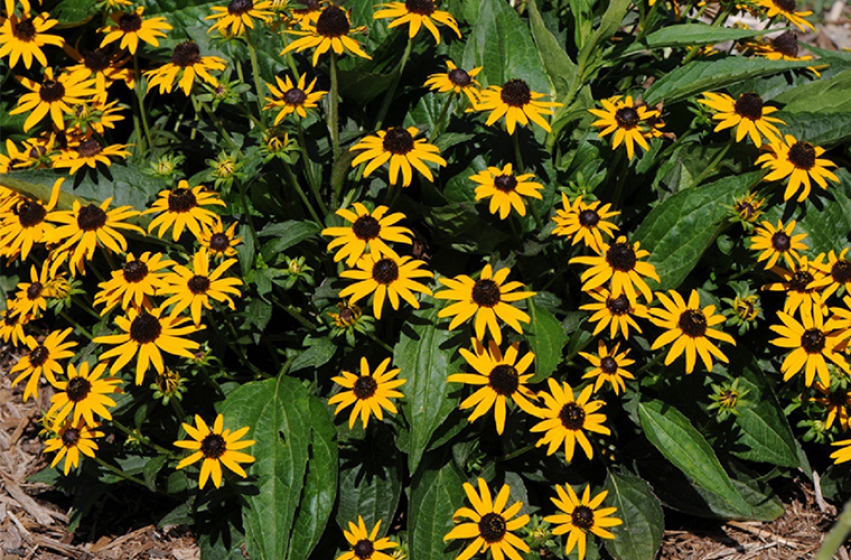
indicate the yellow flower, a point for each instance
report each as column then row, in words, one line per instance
column 216, row 447
column 21, row 38
column 585, row 222
column 456, row 80
column 488, row 298
column 502, row 377
column 631, row 123
column 239, row 15
column 490, row 524
column 811, row 341
column 504, row 189
column 608, row 367
column 616, row 312
column 689, row 327
column 565, row 419
column 291, row 98
column 83, row 395
column 789, row 10
column 388, row 277
column 798, row 283
column 42, row 359
column 32, row 296
column 364, row 544
column 218, row 240
column 101, row 66
column 397, row 145
column 187, row 63
column 777, row 242
column 367, row 230
column 139, row 279
column 747, row 113
column 131, row 28
column 782, row 47
column 182, row 208
column 88, row 152
column 195, row 288
column 368, row 392
column 70, row 440
column 618, row 262
column 836, row 273
column 578, row 517
column 331, row 32
column 417, row 13
column 838, row 403
column 798, row 161
column 12, row 324
column 517, row 103
column 54, row 96
column 749, row 208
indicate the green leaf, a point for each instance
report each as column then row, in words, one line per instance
column 832, row 94
column 436, row 493
column 561, row 69
column 822, row 129
column 640, row 535
column 427, row 354
column 319, row 351
column 277, row 410
column 691, row 34
column 286, row 234
column 547, row 338
column 700, row 76
column 675, row 437
column 609, row 24
column 320, row 486
column 152, row 468
column 71, row 13
column 680, row 229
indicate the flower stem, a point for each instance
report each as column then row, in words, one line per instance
column 445, row 111
column 135, row 434
column 140, row 97
column 517, row 154
column 295, row 185
column 247, row 211
column 118, row 472
column 380, row 342
column 258, row 84
column 333, row 123
column 76, row 325
column 388, row 97
column 314, row 186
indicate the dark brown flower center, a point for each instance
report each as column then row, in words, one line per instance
column 582, row 517
column 219, row 242
column 90, row 218
column 78, row 389
column 627, row 117
column 385, row 271
column 198, row 284
column 347, row 314
column 186, row 54
column 812, row 341
column 130, row 23
column 145, row 329
column 516, row 93
column 786, row 44
column 786, row 5
column 621, row 256
column 838, row 398
column 51, row 91
column 841, row 271
column 39, row 355
column 364, row 549
column 749, row 106
column 504, row 379
column 239, row 7
column 135, row 271
column 181, row 200
column 589, row 218
column 460, row 77
column 333, row 22
column 70, row 437
column 89, row 148
column 420, row 7
column 364, row 387
column 505, row 183
column 294, row 96
column 24, row 30
column 608, row 365
column 693, row 323
column 781, row 242
column 34, row 290
column 572, row 416
column 486, row 293
column 213, row 446
column 97, row 60
column 802, row 155
column 729, row 398
column 366, row 228
column 745, row 210
column 800, row 280
column 618, row 305
column 398, row 141
column 492, row 527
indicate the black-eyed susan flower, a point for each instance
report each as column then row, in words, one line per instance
column 85, row 394
column 565, row 419
column 331, row 32
column 579, row 517
column 88, row 151
column 417, row 14
column 183, row 208
column 138, row 280
column 777, row 242
column 366, row 230
column 84, row 228
column 488, row 299
column 387, row 277
column 456, row 80
column 631, row 123
column 12, row 324
column 836, row 273
column 837, row 401
column 810, row 341
column 292, row 98
column 500, row 378
column 490, row 524
column 748, row 209
column 799, row 285
column 797, row 161
column 689, row 327
column 194, row 288
column 185, row 66
column 216, row 447
column 782, row 47
column 747, row 114
column 619, row 262
column 517, row 103
column 618, row 313
column 505, row 189
column 609, row 367
column 32, row 296
column 238, row 16
column 306, row 13
column 55, row 96
column 369, row 392
column 90, row 118
column 70, row 440
column 132, row 27
column 398, row 146
column 22, row 38
column 218, row 240
column 102, row 66
column 365, row 545
column 585, row 222
column 788, row 9
column 841, row 455
column 147, row 333
column 42, row 359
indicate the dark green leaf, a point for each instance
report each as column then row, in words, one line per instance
column 286, row 235
column 152, row 468
column 833, row 96
column 561, row 69
column 822, row 129
column 436, row 493
column 73, row 12
column 319, row 351
column 547, row 338
column 640, row 535
column 691, row 34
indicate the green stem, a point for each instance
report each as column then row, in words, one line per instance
column 711, row 167
column 178, row 409
column 258, row 83
column 837, row 535
column 135, row 434
column 118, row 472
column 388, row 97
column 333, row 122
column 445, row 111
column 645, row 24
column 222, row 130
column 380, row 342
column 518, row 156
column 140, row 97
column 295, row 314
column 314, row 186
column 295, row 185
column 86, row 307
column 247, row 211
column 76, row 325
column 517, row 452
